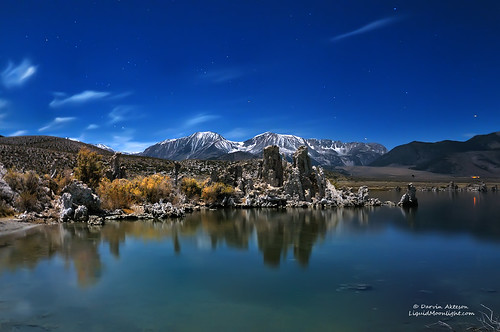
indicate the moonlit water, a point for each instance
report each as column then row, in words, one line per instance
column 247, row 270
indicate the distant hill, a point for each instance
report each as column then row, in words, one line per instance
column 50, row 143
column 479, row 155
column 44, row 154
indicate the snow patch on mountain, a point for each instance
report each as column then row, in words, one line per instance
column 210, row 145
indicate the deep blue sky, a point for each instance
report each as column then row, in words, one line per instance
column 132, row 73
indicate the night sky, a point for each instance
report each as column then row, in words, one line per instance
column 132, row 73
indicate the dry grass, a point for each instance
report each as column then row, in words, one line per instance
column 122, row 193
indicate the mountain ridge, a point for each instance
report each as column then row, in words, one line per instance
column 213, row 146
column 480, row 155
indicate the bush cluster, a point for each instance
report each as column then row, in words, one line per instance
column 60, row 181
column 191, row 188
column 216, row 192
column 89, row 168
column 30, row 189
column 122, row 193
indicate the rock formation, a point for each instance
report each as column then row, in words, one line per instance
column 302, row 161
column 302, row 181
column 78, row 202
column 272, row 166
column 409, row 199
column 116, row 170
column 7, row 195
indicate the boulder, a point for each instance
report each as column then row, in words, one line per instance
column 83, row 195
column 363, row 195
column 409, row 199
column 66, row 212
column 95, row 220
column 81, row 213
column 272, row 166
column 163, row 210
column 6, row 193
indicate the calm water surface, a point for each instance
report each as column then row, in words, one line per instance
column 252, row 270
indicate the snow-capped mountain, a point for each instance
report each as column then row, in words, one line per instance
column 210, row 145
column 200, row 145
column 104, row 147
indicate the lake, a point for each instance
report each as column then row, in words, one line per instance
column 369, row 269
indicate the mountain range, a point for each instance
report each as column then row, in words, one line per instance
column 479, row 155
column 212, row 146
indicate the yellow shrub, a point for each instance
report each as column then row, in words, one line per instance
column 152, row 188
column 122, row 193
column 63, row 179
column 116, row 194
column 191, row 188
column 216, row 192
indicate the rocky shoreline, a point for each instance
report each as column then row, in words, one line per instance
column 270, row 182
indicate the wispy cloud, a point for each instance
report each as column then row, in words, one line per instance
column 125, row 142
column 19, row 133
column 121, row 113
column 60, row 99
column 367, row 28
column 92, row 126
column 200, row 118
column 3, row 103
column 16, row 75
column 57, row 123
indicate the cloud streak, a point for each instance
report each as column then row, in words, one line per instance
column 16, row 75
column 19, row 133
column 86, row 96
column 200, row 118
column 121, row 113
column 57, row 123
column 367, row 28
column 125, row 142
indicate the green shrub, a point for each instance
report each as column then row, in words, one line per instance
column 89, row 168
column 216, row 192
